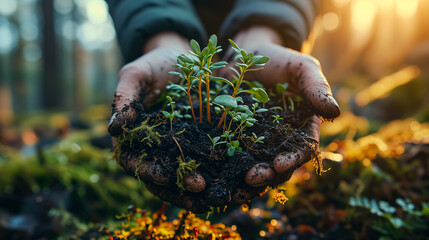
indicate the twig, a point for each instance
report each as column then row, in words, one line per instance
column 181, row 152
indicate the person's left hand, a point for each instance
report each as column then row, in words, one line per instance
column 304, row 76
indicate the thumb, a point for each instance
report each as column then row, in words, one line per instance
column 131, row 80
column 316, row 89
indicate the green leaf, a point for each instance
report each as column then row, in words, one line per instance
column 175, row 87
column 195, row 46
column 233, row 44
column 174, row 73
column 195, row 59
column 249, row 124
column 242, row 108
column 207, row 70
column 226, row 100
column 216, row 139
column 235, row 71
column 258, row 93
column 281, row 88
column 187, row 116
column 260, row 60
column 238, row 56
column 167, row 114
column 185, row 70
column 244, row 54
column 220, row 79
column 231, row 151
column 205, row 52
column 185, row 58
column 261, row 110
column 213, row 40
column 240, row 65
column 221, row 63
column 194, row 81
column 217, row 110
column 252, row 120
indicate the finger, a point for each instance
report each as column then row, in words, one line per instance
column 316, row 89
column 131, row 80
column 312, row 129
column 302, row 72
column 260, row 175
column 194, row 183
column 288, row 161
column 144, row 170
column 152, row 172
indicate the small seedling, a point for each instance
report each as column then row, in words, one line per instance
column 277, row 118
column 215, row 141
column 255, row 139
column 233, row 147
column 172, row 114
column 281, row 90
column 247, row 61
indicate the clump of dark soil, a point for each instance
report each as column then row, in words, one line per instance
column 223, row 174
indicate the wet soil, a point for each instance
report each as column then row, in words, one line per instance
column 223, row 174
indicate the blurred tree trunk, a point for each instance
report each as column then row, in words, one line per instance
column 52, row 90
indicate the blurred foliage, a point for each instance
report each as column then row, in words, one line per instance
column 140, row 224
column 63, row 181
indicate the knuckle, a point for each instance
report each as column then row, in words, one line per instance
column 132, row 70
column 309, row 61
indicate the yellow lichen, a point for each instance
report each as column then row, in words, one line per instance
column 139, row 224
column 184, row 169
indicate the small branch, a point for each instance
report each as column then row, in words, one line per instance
column 183, row 156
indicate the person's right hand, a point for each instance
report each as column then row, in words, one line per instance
column 149, row 72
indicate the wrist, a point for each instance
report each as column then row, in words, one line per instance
column 167, row 40
column 255, row 36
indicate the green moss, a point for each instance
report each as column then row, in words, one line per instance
column 128, row 136
column 151, row 136
column 184, row 169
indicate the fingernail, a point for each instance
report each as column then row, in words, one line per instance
column 334, row 110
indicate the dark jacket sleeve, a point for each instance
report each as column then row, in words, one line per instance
column 138, row 20
column 293, row 19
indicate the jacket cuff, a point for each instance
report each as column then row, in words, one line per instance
column 292, row 21
column 136, row 22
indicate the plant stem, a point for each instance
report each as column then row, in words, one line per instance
column 208, row 97
column 190, row 103
column 237, row 86
column 223, row 117
column 200, row 99
column 189, row 96
column 238, row 127
column 208, row 90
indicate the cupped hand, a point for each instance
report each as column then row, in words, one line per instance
column 150, row 74
column 305, row 78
